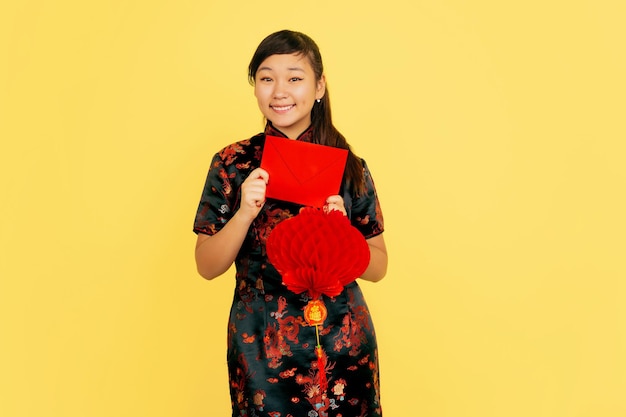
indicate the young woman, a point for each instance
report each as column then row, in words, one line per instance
column 273, row 369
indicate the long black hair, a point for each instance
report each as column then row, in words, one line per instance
column 324, row 132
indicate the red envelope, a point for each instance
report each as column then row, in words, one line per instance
column 302, row 172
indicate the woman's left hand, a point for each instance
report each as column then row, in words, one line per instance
column 335, row 202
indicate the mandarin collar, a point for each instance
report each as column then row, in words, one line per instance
column 306, row 136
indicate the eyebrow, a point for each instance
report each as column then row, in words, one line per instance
column 290, row 69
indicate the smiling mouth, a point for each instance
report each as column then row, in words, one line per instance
column 282, row 108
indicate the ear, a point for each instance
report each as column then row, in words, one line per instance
column 321, row 87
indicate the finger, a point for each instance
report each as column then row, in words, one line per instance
column 260, row 173
column 335, row 203
column 334, row 199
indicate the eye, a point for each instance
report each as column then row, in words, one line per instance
column 295, row 79
column 265, row 79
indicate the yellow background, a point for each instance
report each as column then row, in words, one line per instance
column 495, row 132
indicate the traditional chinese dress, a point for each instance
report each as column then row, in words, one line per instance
column 272, row 364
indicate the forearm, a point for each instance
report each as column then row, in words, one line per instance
column 215, row 254
column 377, row 267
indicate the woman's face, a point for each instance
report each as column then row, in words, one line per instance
column 286, row 89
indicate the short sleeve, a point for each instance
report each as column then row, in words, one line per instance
column 219, row 198
column 365, row 211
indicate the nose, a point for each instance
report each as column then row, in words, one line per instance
column 280, row 89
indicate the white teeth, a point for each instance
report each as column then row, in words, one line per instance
column 282, row 108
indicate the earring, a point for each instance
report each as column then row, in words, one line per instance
column 319, row 99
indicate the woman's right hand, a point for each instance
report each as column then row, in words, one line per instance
column 253, row 193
